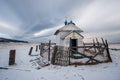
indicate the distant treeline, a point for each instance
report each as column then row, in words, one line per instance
column 11, row 40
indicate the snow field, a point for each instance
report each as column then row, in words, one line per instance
column 24, row 70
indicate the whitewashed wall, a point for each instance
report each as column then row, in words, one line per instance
column 66, row 41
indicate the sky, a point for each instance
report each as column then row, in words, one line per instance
column 37, row 20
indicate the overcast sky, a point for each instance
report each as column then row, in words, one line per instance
column 34, row 19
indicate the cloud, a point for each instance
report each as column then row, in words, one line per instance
column 99, row 19
column 5, row 35
column 109, row 35
column 38, row 18
column 46, row 32
column 102, row 34
column 9, row 28
column 99, row 16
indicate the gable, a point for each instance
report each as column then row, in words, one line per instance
column 69, row 33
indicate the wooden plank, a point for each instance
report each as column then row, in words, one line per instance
column 69, row 55
column 48, row 44
column 90, row 57
column 91, row 43
column 53, row 55
column 61, row 57
column 88, row 46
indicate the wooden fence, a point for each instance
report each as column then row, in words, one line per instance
column 43, row 48
column 91, row 51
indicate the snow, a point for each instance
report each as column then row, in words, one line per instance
column 26, row 70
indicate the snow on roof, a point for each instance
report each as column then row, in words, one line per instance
column 68, row 28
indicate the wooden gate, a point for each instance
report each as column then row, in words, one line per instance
column 12, row 57
column 93, row 53
column 60, row 56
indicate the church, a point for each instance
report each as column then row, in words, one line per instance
column 69, row 35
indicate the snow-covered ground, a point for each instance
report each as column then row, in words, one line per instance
column 26, row 70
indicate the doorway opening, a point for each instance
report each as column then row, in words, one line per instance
column 73, row 43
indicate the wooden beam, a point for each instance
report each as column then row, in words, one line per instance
column 87, row 46
column 90, row 57
column 48, row 44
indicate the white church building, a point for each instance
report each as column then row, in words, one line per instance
column 69, row 35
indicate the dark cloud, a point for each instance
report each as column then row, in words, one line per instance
column 33, row 16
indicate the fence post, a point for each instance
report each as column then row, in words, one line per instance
column 39, row 47
column 103, row 41
column 12, row 57
column 36, row 48
column 94, row 46
column 30, row 50
column 43, row 49
column 49, row 50
column 107, row 49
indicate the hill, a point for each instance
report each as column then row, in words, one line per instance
column 11, row 40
